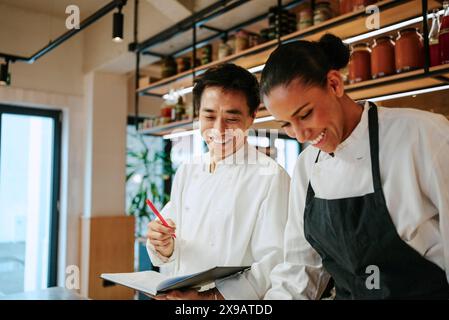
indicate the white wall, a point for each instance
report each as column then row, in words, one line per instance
column 24, row 33
column 106, row 101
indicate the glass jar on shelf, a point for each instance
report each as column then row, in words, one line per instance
column 224, row 49
column 305, row 18
column 189, row 111
column 434, row 43
column 231, row 43
column 206, row 54
column 179, row 109
column 361, row 4
column 346, row 6
column 409, row 50
column 382, row 57
column 253, row 40
column 360, row 63
column 183, row 64
column 241, row 41
column 169, row 67
column 444, row 34
column 165, row 110
column 322, row 12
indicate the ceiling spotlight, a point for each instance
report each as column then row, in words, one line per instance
column 4, row 74
column 117, row 26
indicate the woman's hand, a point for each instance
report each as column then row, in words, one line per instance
column 161, row 237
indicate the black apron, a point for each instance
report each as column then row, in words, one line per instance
column 353, row 234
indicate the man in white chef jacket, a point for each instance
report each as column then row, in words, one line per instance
column 229, row 207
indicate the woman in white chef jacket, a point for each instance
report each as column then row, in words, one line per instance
column 229, row 208
column 369, row 199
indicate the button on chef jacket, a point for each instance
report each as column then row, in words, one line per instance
column 235, row 216
column 414, row 168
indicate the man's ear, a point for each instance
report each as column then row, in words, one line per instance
column 336, row 83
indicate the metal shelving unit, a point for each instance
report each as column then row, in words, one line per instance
column 346, row 26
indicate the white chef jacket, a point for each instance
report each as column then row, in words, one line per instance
column 414, row 168
column 235, row 216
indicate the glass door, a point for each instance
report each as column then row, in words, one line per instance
column 29, row 198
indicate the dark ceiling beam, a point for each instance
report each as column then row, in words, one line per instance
column 67, row 35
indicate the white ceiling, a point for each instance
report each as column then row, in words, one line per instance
column 57, row 8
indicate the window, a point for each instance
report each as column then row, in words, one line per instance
column 29, row 192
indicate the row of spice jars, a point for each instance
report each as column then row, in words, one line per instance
column 308, row 17
column 323, row 11
column 386, row 56
column 238, row 42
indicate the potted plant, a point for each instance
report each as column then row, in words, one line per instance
column 146, row 174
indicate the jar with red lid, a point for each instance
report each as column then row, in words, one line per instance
column 322, row 12
column 409, row 50
column 360, row 63
column 382, row 57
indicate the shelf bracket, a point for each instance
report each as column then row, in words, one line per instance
column 426, row 36
column 442, row 78
column 203, row 26
column 154, row 54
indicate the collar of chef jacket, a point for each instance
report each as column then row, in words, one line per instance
column 352, row 149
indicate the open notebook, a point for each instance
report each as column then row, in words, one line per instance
column 154, row 283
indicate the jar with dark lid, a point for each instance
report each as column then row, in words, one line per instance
column 169, row 67
column 382, row 57
column 183, row 64
column 305, row 18
column 206, row 54
column 409, row 50
column 322, row 12
column 224, row 50
column 241, row 41
column 361, row 4
column 360, row 63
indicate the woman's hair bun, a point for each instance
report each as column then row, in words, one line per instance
column 336, row 51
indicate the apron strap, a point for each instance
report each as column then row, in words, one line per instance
column 373, row 128
column 310, row 191
column 318, row 156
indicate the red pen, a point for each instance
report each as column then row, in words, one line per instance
column 151, row 205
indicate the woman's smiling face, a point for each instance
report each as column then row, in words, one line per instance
column 310, row 113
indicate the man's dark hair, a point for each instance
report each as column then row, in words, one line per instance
column 229, row 77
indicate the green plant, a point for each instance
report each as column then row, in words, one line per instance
column 146, row 173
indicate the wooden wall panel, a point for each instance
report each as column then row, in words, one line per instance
column 110, row 249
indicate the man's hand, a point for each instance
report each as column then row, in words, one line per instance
column 161, row 237
column 212, row 294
